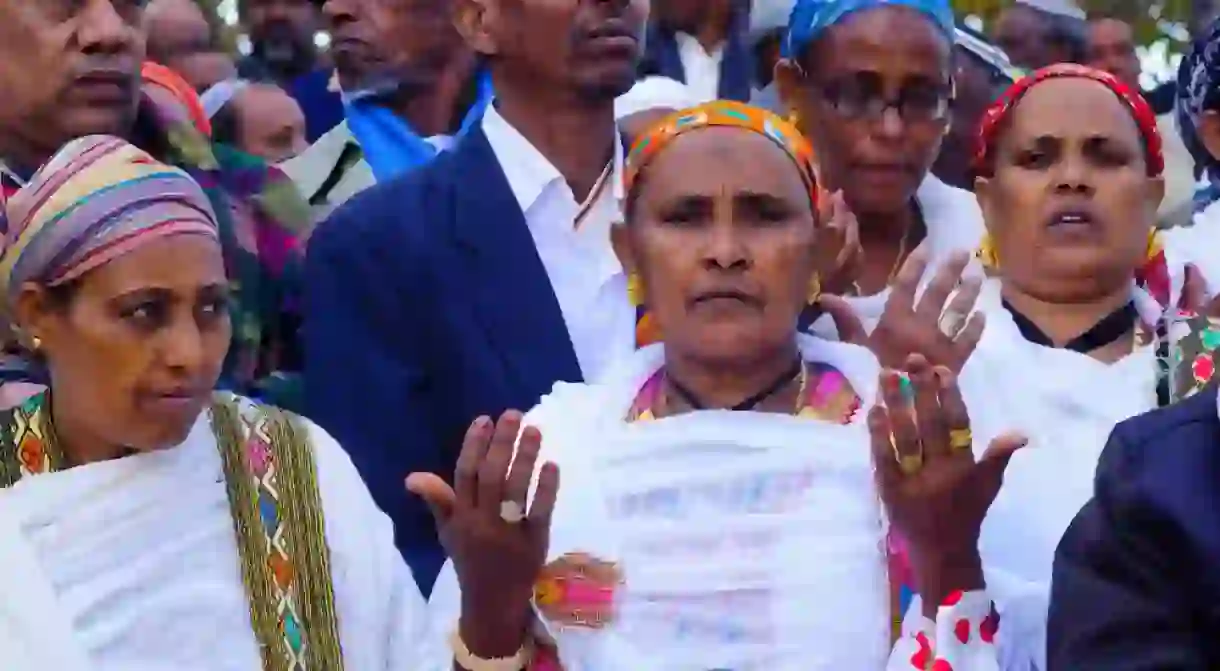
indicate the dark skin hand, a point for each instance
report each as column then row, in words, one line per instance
column 496, row 562
column 938, row 508
column 907, row 327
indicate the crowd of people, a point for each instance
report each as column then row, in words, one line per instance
column 606, row 335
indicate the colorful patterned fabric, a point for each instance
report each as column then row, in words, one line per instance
column 1198, row 90
column 1153, row 276
column 993, row 121
column 260, row 217
column 722, row 113
column 829, row 397
column 95, row 200
column 159, row 75
column 810, row 18
column 277, row 519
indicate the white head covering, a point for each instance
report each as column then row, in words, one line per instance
column 766, row 17
column 220, row 94
column 1065, row 8
column 653, row 93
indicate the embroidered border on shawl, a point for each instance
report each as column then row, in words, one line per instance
column 277, row 515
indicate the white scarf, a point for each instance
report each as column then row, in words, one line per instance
column 1066, row 403
column 748, row 540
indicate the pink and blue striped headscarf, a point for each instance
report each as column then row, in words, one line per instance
column 97, row 199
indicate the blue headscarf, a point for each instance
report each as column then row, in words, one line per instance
column 1198, row 90
column 810, row 18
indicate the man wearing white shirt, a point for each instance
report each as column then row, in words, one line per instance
column 471, row 285
column 703, row 44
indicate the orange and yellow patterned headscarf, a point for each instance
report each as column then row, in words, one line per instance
column 726, row 113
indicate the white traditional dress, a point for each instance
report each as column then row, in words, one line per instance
column 723, row 540
column 137, row 564
column 1066, row 403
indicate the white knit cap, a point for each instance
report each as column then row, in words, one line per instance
column 653, row 93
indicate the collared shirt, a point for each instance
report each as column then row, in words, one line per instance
column 702, row 69
column 573, row 242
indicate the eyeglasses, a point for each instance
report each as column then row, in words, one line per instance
column 863, row 97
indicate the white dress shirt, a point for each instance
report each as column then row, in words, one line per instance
column 573, row 241
column 702, row 69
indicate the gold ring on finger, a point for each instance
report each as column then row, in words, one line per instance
column 910, row 464
column 512, row 512
column 960, row 439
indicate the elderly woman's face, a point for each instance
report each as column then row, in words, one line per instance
column 873, row 103
column 1070, row 203
column 138, row 345
column 725, row 255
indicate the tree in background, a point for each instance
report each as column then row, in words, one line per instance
column 1153, row 21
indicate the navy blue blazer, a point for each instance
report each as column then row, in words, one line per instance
column 427, row 305
column 1136, row 583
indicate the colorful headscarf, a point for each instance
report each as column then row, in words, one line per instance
column 723, row 113
column 810, row 18
column 159, row 75
column 1153, row 276
column 718, row 113
column 96, row 200
column 998, row 114
column 1198, row 90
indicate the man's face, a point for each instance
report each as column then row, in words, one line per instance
column 588, row 47
column 281, row 30
column 1023, row 34
column 391, row 42
column 180, row 38
column 87, row 54
column 1112, row 48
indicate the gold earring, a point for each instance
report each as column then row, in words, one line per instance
column 986, row 253
column 635, row 292
column 36, row 343
column 815, row 289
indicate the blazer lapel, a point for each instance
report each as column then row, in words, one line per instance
column 514, row 298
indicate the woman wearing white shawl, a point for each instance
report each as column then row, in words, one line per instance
column 870, row 82
column 147, row 522
column 688, row 539
column 1078, row 335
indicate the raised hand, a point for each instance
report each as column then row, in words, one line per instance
column 1195, row 294
column 945, row 335
column 841, row 235
column 497, row 546
column 935, row 492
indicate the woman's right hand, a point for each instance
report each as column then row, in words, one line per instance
column 945, row 335
column 497, row 546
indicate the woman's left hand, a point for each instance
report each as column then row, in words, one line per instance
column 1195, row 296
column 842, row 237
column 934, row 490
